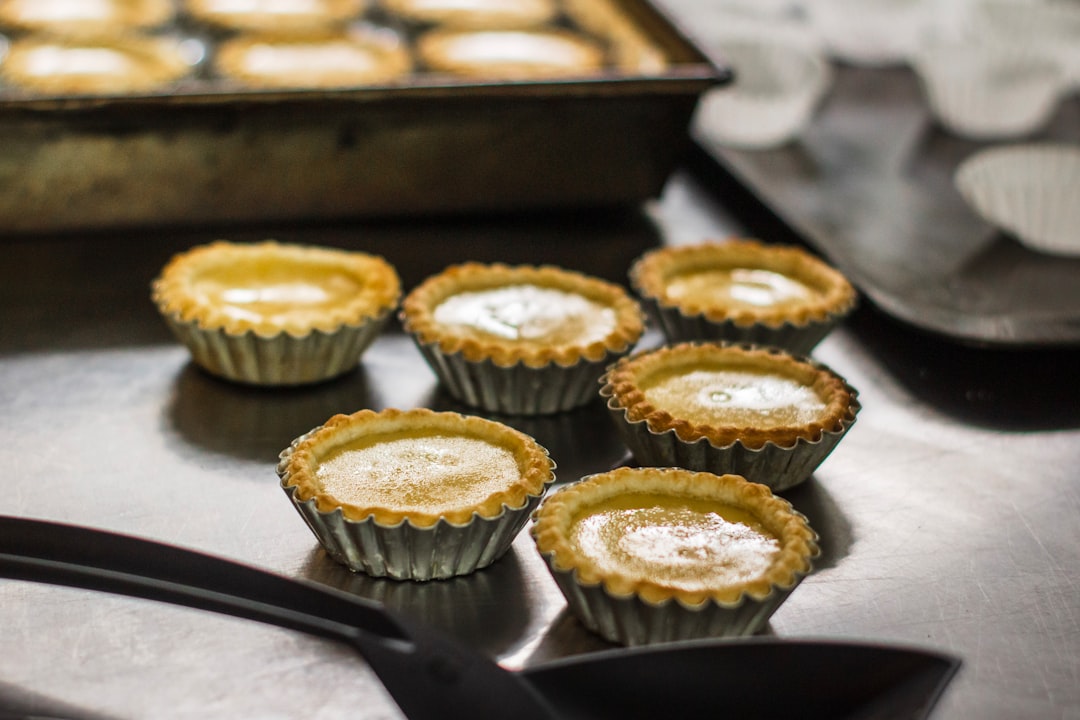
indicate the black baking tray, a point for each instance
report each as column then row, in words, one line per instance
column 868, row 184
column 209, row 152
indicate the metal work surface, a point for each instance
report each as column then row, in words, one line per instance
column 947, row 515
column 869, row 184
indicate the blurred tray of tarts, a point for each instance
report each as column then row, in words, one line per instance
column 135, row 113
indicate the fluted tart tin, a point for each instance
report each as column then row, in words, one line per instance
column 742, row 290
column 754, row 411
column 417, row 494
column 271, row 313
column 520, row 340
column 651, row 555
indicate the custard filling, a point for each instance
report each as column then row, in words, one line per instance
column 340, row 57
column 57, row 60
column 527, row 314
column 282, row 7
column 691, row 544
column 736, row 396
column 270, row 292
column 422, row 471
column 740, row 288
column 506, row 47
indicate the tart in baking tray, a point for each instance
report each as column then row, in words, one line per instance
column 84, row 17
column 474, row 14
column 77, row 66
column 759, row 412
column 415, row 494
column 524, row 339
column 276, row 314
column 509, row 54
column 283, row 16
column 649, row 555
column 743, row 290
column 317, row 60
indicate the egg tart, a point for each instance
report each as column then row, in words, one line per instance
column 320, row 60
column 84, row 17
column 270, row 313
column 648, row 555
column 509, row 54
column 758, row 412
column 522, row 340
column 281, row 16
column 743, row 291
column 474, row 14
column 57, row 65
column 415, row 494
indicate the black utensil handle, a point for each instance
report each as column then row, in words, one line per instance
column 154, row 569
column 425, row 673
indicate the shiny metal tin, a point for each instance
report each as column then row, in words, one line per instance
column 281, row 359
column 798, row 339
column 776, row 466
column 405, row 551
column 518, row 389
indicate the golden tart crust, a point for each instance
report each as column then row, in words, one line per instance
column 80, row 17
column 319, row 60
column 730, row 393
column 743, row 281
column 522, row 314
column 121, row 64
column 509, row 54
column 292, row 16
column 269, row 288
column 474, row 14
column 418, row 466
column 667, row 533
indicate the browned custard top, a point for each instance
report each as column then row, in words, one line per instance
column 529, row 314
column 691, row 544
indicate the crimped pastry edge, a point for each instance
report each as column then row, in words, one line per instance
column 141, row 14
column 431, row 49
column 418, row 306
column 159, row 57
column 169, row 290
column 331, row 13
column 620, row 388
column 393, row 62
column 552, row 521
column 649, row 274
column 510, row 15
column 298, row 462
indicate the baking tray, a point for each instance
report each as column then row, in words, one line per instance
column 868, row 184
column 208, row 152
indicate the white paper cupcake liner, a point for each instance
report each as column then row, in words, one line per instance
column 632, row 621
column 1031, row 191
column 776, row 90
column 1053, row 27
column 778, row 467
column 870, row 33
column 281, row 359
column 518, row 389
column 405, row 551
column 987, row 91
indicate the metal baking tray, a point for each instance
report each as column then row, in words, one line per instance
column 210, row 153
column 868, row 184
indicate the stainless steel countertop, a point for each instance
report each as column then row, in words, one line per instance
column 948, row 514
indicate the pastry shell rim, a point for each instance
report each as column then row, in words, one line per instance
column 620, row 390
column 418, row 320
column 298, row 462
column 799, row 544
column 649, row 273
column 170, row 290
